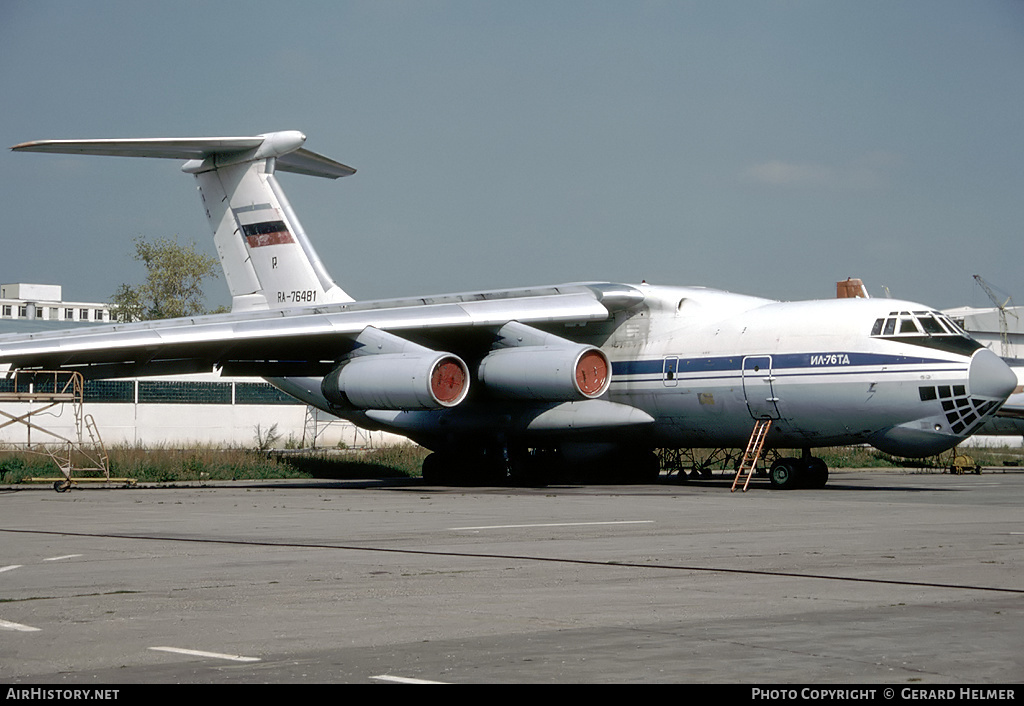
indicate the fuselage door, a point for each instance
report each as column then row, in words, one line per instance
column 670, row 371
column 759, row 387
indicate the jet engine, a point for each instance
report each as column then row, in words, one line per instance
column 398, row 381
column 549, row 373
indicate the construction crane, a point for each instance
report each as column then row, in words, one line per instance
column 1004, row 328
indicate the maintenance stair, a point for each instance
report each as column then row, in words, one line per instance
column 753, row 452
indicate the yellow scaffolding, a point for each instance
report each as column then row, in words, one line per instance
column 80, row 456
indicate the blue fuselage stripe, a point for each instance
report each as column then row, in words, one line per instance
column 780, row 363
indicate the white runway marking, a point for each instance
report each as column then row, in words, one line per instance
column 58, row 558
column 404, row 680
column 200, row 653
column 9, row 568
column 8, row 625
column 557, row 524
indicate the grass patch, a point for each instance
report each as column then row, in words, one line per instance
column 209, row 463
column 202, row 463
column 859, row 457
column 386, row 462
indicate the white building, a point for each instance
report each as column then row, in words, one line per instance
column 1000, row 330
column 181, row 411
column 44, row 302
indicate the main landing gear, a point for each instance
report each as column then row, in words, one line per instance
column 494, row 467
column 537, row 467
column 806, row 472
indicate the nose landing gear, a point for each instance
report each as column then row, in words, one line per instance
column 806, row 472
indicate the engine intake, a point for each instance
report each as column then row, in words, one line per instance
column 398, row 381
column 549, row 373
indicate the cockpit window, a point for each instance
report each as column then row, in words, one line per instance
column 905, row 323
column 931, row 325
column 952, row 325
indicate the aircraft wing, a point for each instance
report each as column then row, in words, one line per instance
column 300, row 341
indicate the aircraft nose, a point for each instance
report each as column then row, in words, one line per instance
column 990, row 377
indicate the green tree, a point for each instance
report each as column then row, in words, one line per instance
column 175, row 274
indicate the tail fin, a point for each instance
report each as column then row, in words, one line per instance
column 268, row 261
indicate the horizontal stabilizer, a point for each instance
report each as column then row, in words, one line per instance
column 312, row 164
column 286, row 146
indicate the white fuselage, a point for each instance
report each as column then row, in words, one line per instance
column 705, row 364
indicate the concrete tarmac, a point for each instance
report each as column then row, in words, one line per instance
column 883, row 577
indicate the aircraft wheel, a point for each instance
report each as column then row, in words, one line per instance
column 530, row 472
column 444, row 468
column 815, row 473
column 488, row 469
column 62, row 486
column 464, row 470
column 433, row 472
column 627, row 467
column 650, row 467
column 785, row 473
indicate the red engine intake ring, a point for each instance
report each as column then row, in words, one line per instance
column 448, row 381
column 592, row 373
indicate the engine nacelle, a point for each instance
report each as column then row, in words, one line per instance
column 549, row 373
column 398, row 381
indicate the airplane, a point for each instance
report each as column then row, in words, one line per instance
column 507, row 385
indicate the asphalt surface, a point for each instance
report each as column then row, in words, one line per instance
column 883, row 577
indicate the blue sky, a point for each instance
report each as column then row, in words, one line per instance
column 769, row 148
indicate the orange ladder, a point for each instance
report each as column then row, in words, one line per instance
column 753, row 452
